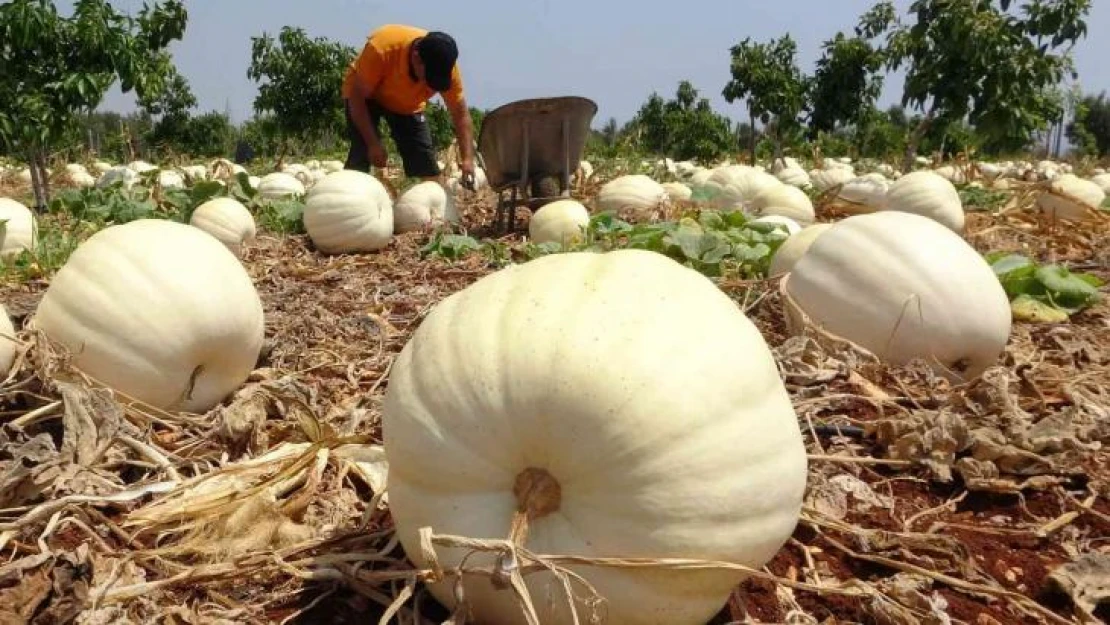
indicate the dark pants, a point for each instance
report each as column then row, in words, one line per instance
column 410, row 133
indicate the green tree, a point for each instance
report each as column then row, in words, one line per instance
column 170, row 111
column 1090, row 129
column 685, row 127
column 55, row 69
column 301, row 81
column 990, row 62
column 442, row 128
column 847, row 82
column 766, row 75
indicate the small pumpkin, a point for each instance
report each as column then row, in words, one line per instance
column 349, row 211
column 825, row 179
column 561, row 221
column 795, row 177
column 635, row 194
column 678, row 192
column 278, row 185
column 785, row 201
column 928, row 194
column 599, row 395
column 424, row 203
column 19, row 229
column 226, row 219
column 863, row 194
column 734, row 187
column 1071, row 198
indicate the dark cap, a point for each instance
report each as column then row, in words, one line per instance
column 438, row 52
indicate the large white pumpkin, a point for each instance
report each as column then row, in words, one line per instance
column 825, row 179
column 795, row 176
column 349, row 211
column 1071, row 198
column 927, row 194
column 123, row 174
column 637, row 194
column 170, row 179
column 1103, row 181
column 19, row 227
column 561, row 221
column 614, row 376
column 864, row 194
column 280, row 185
column 158, row 310
column 903, row 286
column 424, row 203
column 226, row 219
column 785, row 201
column 677, row 191
column 734, row 187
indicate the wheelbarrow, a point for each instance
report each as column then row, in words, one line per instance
column 530, row 148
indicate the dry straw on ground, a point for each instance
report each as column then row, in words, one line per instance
column 928, row 503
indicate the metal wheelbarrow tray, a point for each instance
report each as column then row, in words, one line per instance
column 530, row 148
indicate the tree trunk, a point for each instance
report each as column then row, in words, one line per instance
column 778, row 142
column 281, row 155
column 37, row 183
column 751, row 138
column 915, row 139
column 45, row 180
column 1060, row 136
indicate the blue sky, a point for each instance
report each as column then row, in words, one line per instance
column 614, row 53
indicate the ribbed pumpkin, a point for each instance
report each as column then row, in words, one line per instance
column 561, row 221
column 158, row 310
column 349, row 211
column 927, row 194
column 601, row 395
column 19, row 228
column 902, row 286
column 228, row 220
column 425, row 203
column 635, row 194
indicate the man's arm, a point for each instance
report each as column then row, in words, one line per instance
column 455, row 99
column 464, row 128
column 360, row 93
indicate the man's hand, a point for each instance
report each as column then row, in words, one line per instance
column 469, row 182
column 377, row 154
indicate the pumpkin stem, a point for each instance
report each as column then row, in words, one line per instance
column 538, row 494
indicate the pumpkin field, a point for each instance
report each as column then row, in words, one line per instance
column 927, row 498
column 833, row 363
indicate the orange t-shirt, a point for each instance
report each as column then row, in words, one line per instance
column 384, row 66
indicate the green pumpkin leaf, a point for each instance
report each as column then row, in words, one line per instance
column 1067, row 290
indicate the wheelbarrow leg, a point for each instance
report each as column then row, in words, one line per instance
column 497, row 211
column 510, row 214
column 565, row 190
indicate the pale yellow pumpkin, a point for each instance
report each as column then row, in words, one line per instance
column 228, row 220
column 19, row 228
column 349, row 211
column 561, row 221
column 615, row 377
column 158, row 310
